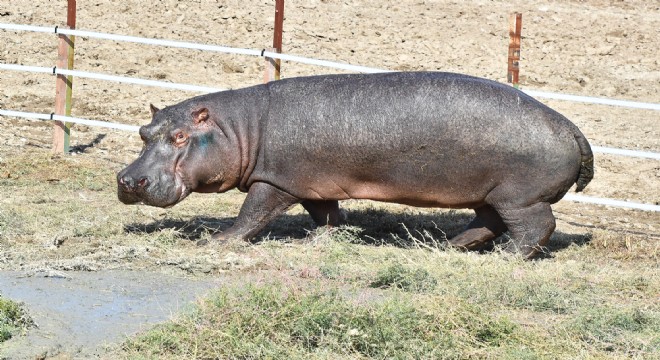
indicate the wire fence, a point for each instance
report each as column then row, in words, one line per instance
column 286, row 57
column 41, row 116
column 105, row 77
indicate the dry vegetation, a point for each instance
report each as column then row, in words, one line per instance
column 386, row 286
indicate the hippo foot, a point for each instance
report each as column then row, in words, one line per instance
column 526, row 251
column 486, row 226
column 223, row 238
column 530, row 229
column 470, row 247
column 468, row 243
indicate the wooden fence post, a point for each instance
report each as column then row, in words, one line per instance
column 272, row 71
column 515, row 30
column 64, row 84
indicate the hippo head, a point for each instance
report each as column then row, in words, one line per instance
column 184, row 151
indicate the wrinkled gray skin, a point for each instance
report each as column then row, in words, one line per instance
column 422, row 139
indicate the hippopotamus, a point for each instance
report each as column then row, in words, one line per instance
column 426, row 139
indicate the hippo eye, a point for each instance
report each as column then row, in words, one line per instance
column 180, row 138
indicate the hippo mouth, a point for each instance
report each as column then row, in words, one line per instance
column 182, row 190
column 155, row 194
column 179, row 190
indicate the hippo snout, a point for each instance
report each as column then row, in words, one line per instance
column 130, row 184
column 156, row 188
column 132, row 189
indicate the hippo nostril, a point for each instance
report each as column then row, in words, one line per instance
column 143, row 182
column 127, row 183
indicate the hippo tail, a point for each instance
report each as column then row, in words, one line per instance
column 586, row 161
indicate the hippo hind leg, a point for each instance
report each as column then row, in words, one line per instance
column 325, row 212
column 487, row 225
column 529, row 228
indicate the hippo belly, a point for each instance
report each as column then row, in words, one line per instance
column 419, row 183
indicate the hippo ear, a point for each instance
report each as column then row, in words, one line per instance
column 200, row 115
column 153, row 109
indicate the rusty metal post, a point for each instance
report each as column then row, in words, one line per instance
column 64, row 84
column 515, row 30
column 272, row 71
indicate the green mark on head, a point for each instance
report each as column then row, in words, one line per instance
column 205, row 140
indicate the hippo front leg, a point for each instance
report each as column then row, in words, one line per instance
column 263, row 203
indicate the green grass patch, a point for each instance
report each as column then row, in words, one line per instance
column 273, row 321
column 628, row 330
column 13, row 319
column 404, row 278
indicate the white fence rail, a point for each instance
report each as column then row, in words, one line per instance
column 610, row 202
column 40, row 116
column 592, row 100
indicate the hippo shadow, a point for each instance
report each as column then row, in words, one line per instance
column 411, row 228
column 377, row 227
column 372, row 227
column 83, row 147
column 191, row 229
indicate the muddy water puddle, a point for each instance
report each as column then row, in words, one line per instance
column 79, row 314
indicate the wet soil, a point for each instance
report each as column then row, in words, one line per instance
column 79, row 314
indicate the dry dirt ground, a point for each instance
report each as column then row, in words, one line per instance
column 602, row 48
